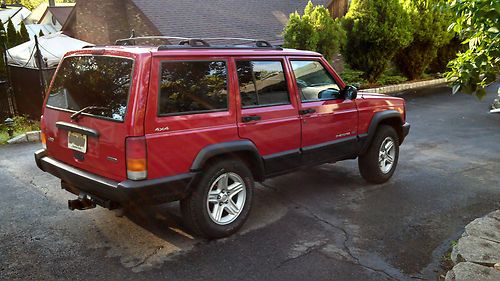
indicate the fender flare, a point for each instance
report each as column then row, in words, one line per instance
column 376, row 120
column 232, row 147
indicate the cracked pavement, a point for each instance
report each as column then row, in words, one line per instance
column 321, row 223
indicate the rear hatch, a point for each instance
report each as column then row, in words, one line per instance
column 85, row 117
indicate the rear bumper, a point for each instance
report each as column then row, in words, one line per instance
column 155, row 191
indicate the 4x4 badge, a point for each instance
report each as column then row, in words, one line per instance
column 162, row 129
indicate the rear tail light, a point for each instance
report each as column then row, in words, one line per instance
column 136, row 158
column 43, row 139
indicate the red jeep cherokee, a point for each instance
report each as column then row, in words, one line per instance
column 199, row 123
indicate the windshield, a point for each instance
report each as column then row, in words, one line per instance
column 99, row 81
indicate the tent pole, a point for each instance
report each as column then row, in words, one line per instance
column 39, row 61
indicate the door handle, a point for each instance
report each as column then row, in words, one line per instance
column 247, row 119
column 307, row 111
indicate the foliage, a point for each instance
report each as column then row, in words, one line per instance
column 376, row 31
column 430, row 20
column 391, row 79
column 478, row 22
column 388, row 77
column 316, row 31
column 445, row 54
column 353, row 77
column 12, row 35
column 24, row 36
column 22, row 124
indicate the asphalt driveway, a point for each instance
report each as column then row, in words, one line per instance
column 322, row 223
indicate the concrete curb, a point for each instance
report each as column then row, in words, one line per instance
column 392, row 89
column 27, row 137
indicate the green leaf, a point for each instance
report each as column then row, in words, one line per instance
column 456, row 88
column 493, row 29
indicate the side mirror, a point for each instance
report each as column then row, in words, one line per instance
column 329, row 94
column 349, row 92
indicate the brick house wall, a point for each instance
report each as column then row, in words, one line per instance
column 104, row 22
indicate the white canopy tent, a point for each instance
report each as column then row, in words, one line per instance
column 52, row 47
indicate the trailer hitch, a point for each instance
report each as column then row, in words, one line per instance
column 84, row 202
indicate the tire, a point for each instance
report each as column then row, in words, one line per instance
column 370, row 168
column 206, row 218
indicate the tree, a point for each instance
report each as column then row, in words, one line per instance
column 316, row 31
column 478, row 23
column 376, row 31
column 40, row 34
column 12, row 35
column 24, row 36
column 3, row 43
column 430, row 20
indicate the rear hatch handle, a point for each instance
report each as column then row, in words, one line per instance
column 77, row 129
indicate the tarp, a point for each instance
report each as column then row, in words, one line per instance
column 53, row 47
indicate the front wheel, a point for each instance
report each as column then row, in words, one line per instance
column 221, row 201
column 378, row 164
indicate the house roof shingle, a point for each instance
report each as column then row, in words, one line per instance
column 61, row 13
column 215, row 18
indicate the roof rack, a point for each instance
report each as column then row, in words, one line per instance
column 200, row 43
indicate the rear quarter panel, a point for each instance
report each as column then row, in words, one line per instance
column 173, row 142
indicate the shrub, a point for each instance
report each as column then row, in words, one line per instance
column 376, row 31
column 316, row 31
column 24, row 36
column 12, row 35
column 430, row 20
column 445, row 54
column 387, row 79
column 353, row 77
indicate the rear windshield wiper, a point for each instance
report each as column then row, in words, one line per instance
column 77, row 114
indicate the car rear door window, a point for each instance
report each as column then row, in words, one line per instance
column 190, row 87
column 262, row 83
column 314, row 82
column 99, row 81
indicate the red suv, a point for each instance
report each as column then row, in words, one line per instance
column 200, row 123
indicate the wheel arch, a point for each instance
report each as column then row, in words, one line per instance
column 388, row 117
column 243, row 150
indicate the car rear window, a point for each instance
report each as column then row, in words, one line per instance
column 99, row 81
column 190, row 87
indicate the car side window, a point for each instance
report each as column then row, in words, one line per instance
column 190, row 87
column 314, row 81
column 262, row 83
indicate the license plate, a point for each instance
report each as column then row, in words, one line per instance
column 77, row 142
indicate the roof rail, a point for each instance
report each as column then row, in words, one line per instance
column 133, row 40
column 185, row 42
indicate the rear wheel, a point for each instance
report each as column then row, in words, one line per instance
column 378, row 164
column 220, row 203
